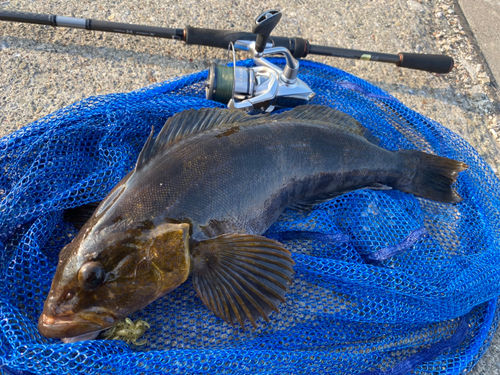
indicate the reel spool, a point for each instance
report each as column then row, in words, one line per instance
column 223, row 79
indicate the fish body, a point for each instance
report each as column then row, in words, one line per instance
column 198, row 201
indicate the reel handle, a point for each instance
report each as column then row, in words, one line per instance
column 264, row 25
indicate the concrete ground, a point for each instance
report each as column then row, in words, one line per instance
column 483, row 17
column 45, row 68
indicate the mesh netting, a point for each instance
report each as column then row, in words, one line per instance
column 385, row 283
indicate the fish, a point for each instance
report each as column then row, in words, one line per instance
column 200, row 198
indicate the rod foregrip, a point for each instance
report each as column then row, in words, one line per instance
column 427, row 62
column 26, row 17
column 214, row 38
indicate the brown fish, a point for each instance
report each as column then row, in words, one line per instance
column 197, row 202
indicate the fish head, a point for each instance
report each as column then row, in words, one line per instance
column 109, row 272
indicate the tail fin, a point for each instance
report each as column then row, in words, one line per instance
column 432, row 177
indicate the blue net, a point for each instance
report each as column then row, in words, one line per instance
column 385, row 283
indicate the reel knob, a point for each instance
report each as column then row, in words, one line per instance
column 264, row 24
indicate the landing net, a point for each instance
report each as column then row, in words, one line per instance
column 385, row 283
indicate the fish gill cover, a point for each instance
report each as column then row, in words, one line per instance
column 385, row 283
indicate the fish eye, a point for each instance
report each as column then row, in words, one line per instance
column 91, row 275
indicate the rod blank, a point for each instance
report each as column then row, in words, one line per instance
column 220, row 39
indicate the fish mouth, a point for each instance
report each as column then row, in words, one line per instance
column 73, row 325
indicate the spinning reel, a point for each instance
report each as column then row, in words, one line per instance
column 264, row 87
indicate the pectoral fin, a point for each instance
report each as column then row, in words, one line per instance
column 78, row 216
column 241, row 277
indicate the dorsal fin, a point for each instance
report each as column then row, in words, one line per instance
column 327, row 116
column 188, row 123
column 191, row 122
column 146, row 152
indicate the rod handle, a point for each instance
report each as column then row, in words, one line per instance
column 220, row 39
column 40, row 19
column 427, row 62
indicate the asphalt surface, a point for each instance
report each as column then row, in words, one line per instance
column 43, row 69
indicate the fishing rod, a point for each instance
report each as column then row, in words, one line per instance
column 263, row 87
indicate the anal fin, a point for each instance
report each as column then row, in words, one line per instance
column 241, row 277
column 308, row 204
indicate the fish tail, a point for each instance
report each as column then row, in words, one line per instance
column 430, row 176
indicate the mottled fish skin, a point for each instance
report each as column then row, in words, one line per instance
column 236, row 178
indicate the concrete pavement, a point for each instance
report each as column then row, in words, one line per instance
column 483, row 17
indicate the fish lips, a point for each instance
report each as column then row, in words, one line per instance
column 73, row 325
